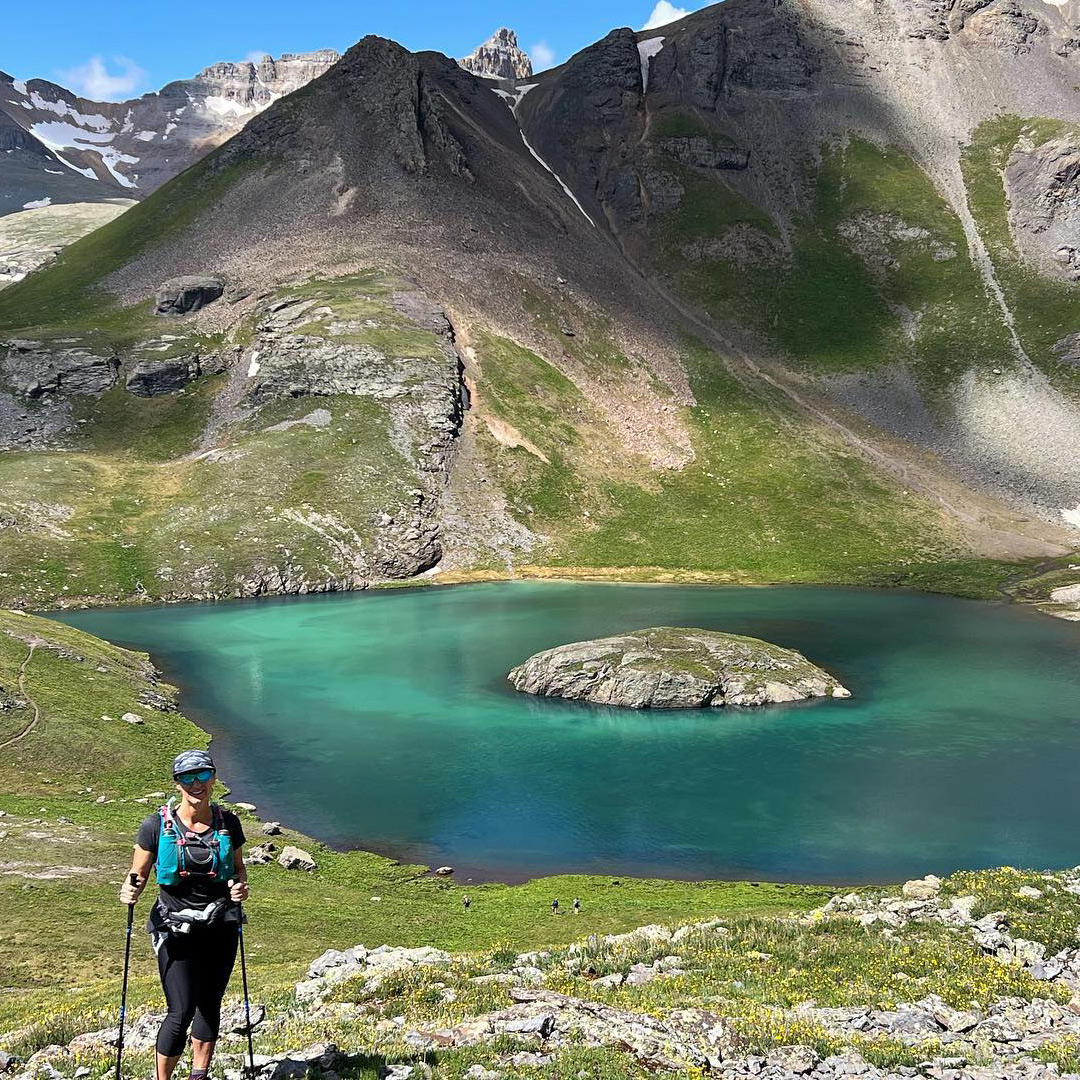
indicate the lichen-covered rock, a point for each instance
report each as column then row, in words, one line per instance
column 181, row 295
column 294, row 858
column 670, row 668
column 368, row 966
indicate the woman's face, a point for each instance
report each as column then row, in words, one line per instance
column 197, row 792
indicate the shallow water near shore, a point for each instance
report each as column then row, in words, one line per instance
column 383, row 720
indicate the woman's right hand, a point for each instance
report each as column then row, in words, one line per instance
column 130, row 893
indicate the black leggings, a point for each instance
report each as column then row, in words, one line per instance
column 195, row 970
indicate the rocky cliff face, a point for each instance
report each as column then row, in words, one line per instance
column 67, row 149
column 500, row 57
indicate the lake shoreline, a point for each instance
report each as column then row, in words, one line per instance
column 487, row 850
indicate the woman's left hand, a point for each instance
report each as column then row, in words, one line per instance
column 238, row 891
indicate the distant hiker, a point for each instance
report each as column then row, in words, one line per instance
column 195, row 849
column 554, row 907
column 466, row 903
column 577, row 905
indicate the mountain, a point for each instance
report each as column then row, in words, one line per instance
column 782, row 291
column 500, row 57
column 59, row 147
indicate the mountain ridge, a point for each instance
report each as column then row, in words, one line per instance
column 693, row 276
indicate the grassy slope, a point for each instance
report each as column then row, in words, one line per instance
column 1046, row 310
column 67, row 298
column 133, row 513
column 764, row 499
column 67, row 932
column 64, row 937
column 830, row 308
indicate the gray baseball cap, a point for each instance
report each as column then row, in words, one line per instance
column 191, row 761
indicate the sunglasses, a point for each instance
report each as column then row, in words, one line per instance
column 200, row 775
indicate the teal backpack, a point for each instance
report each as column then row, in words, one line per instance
column 183, row 854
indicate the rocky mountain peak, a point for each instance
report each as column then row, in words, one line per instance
column 77, row 150
column 257, row 83
column 500, row 57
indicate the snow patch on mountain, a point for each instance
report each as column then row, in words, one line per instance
column 559, row 179
column 647, row 50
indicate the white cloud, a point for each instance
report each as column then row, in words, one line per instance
column 94, row 80
column 542, row 56
column 664, row 13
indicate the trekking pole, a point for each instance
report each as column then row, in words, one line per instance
column 247, row 1001
column 123, row 992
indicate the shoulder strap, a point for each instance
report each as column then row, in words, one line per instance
column 166, row 814
column 217, row 819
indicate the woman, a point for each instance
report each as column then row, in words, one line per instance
column 195, row 848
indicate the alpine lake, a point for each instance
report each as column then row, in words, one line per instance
column 383, row 720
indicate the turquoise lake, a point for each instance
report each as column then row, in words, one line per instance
column 383, row 721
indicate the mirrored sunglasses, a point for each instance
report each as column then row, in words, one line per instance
column 200, row 775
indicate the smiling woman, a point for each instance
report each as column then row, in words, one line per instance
column 195, row 849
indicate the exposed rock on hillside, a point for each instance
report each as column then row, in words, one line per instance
column 1043, row 185
column 989, row 1003
column 666, row 668
column 152, row 377
column 33, row 368
column 700, row 152
column 500, row 57
column 179, row 296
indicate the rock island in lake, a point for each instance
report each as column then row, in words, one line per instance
column 672, row 668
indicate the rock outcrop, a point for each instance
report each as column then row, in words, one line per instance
column 500, row 57
column 182, row 295
column 1043, row 184
column 668, row 668
column 703, row 153
column 34, row 368
column 152, row 377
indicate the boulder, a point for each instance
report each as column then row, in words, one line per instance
column 132, row 718
column 181, row 295
column 669, row 668
column 34, row 368
column 149, row 378
column 294, row 858
column 261, row 855
column 444, row 871
column 925, row 888
column 271, row 828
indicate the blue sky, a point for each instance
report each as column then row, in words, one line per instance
column 141, row 46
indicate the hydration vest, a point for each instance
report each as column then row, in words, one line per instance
column 183, row 854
